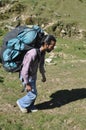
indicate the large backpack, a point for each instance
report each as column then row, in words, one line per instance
column 16, row 43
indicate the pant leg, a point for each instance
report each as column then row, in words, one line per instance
column 30, row 97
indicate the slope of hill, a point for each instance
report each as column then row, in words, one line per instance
column 62, row 98
column 44, row 12
column 58, row 9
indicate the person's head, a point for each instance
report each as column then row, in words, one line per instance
column 48, row 43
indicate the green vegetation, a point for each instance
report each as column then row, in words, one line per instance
column 66, row 10
column 62, row 99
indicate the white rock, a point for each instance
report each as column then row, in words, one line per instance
column 48, row 60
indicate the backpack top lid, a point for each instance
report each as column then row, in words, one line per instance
column 41, row 32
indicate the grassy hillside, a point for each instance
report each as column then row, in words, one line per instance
column 53, row 10
column 67, row 10
column 62, row 99
column 53, row 16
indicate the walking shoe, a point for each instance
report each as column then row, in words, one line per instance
column 24, row 110
column 33, row 109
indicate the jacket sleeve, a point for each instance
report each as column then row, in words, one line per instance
column 41, row 65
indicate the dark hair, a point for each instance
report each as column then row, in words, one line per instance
column 48, row 39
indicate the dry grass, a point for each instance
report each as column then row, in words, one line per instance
column 61, row 100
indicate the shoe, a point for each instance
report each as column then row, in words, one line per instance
column 24, row 110
column 33, row 109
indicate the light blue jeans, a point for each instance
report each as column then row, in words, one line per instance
column 29, row 99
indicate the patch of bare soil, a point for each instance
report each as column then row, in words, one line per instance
column 7, row 108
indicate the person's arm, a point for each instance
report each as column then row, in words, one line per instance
column 41, row 67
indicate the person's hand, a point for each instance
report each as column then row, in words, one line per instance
column 43, row 79
column 28, row 88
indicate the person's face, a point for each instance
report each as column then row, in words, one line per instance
column 50, row 47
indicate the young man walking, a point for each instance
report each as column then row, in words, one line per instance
column 33, row 60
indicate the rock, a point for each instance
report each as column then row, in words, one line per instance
column 48, row 60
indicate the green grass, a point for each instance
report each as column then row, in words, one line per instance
column 71, row 49
column 61, row 100
column 68, row 10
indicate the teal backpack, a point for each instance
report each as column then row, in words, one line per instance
column 16, row 43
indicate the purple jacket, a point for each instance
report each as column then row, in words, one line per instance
column 32, row 60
